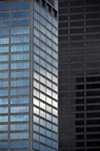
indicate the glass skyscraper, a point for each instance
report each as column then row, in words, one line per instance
column 28, row 75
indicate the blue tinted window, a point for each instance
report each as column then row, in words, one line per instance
column 3, row 101
column 19, row 144
column 3, row 119
column 19, row 65
column 42, row 21
column 19, row 48
column 36, row 128
column 19, row 118
column 4, row 23
column 4, row 6
column 20, row 5
column 36, row 136
column 3, row 127
column 36, row 16
column 18, row 83
column 19, row 109
column 4, row 32
column 36, row 41
column 4, row 40
column 19, row 31
column 55, row 23
column 20, row 22
column 3, row 136
column 19, row 136
column 42, row 12
column 3, row 92
column 20, row 57
column 20, row 14
column 20, row 39
column 55, row 145
column 23, row 100
column 3, row 145
column 4, row 58
column 3, row 84
column 36, row 145
column 49, row 18
column 48, row 125
column 42, row 139
column 19, row 127
column 48, row 133
column 36, row 50
column 3, row 75
column 19, row 91
column 4, row 49
column 36, row 7
column 42, row 147
column 36, row 67
column 42, row 130
column 3, row 110
column 55, row 128
column 4, row 15
column 48, row 142
column 36, row 119
column 55, row 136
column 21, row 74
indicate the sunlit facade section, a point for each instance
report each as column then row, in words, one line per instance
column 45, row 79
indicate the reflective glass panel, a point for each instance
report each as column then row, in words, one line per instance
column 19, row 118
column 20, row 5
column 4, row 6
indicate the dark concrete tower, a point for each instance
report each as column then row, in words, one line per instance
column 79, row 75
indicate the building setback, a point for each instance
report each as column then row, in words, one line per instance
column 28, row 75
column 79, row 75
